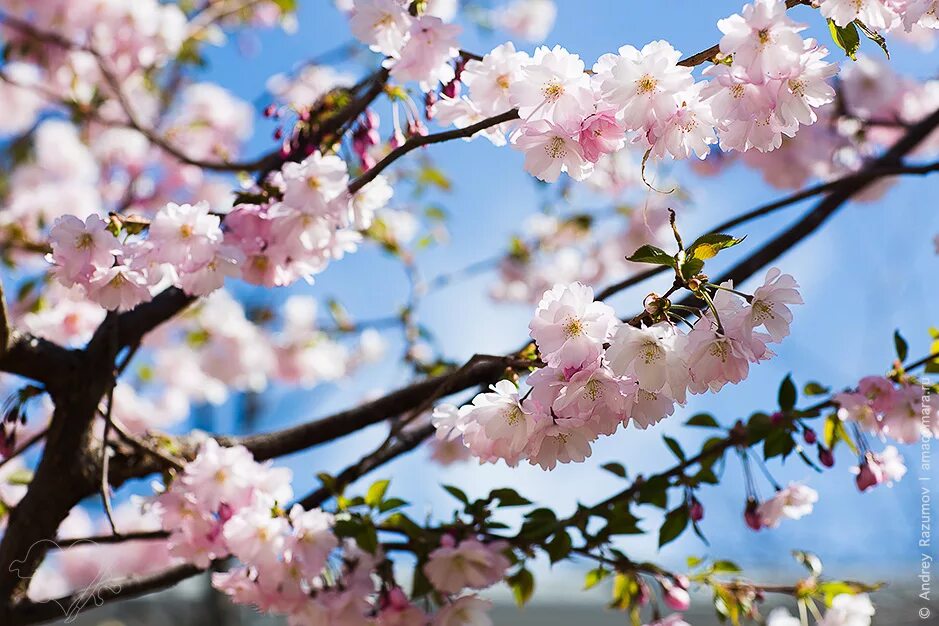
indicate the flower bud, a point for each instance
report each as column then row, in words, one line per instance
column 751, row 515
column 696, row 510
column 677, row 599
column 809, row 435
column 825, row 457
column 869, row 474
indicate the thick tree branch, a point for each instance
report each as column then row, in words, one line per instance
column 294, row 439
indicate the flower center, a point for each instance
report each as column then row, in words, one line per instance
column 84, row 241
column 502, row 80
column 185, row 231
column 763, row 311
column 763, row 36
column 556, row 148
column 650, row 352
column 646, row 84
column 719, row 349
column 593, row 390
column 552, row 91
column 573, row 327
column 737, row 91
column 513, row 415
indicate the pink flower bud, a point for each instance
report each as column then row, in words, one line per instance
column 677, row 599
column 751, row 515
column 696, row 510
column 869, row 475
column 825, row 457
column 809, row 435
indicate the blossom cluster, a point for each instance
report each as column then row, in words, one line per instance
column 224, row 503
column 887, row 409
column 600, row 373
column 269, row 244
column 772, row 84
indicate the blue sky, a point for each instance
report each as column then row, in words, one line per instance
column 871, row 269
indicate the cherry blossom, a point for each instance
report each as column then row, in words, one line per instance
column 793, row 502
column 570, row 327
column 467, row 564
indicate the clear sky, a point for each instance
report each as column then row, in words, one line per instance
column 870, row 270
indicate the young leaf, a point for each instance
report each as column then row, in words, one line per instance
column 674, row 447
column 594, row 576
column 508, row 497
column 523, row 585
column 457, row 493
column 874, row 36
column 846, row 37
column 787, row 394
column 704, row 420
column 653, row 255
column 900, row 344
column 675, row 523
column 615, row 468
column 707, row 246
column 376, row 493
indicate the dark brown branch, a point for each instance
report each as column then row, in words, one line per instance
column 28, row 612
column 290, row 440
column 423, row 140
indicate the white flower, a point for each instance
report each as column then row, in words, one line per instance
column 849, row 610
column 551, row 149
column 553, row 87
column 643, row 83
column 793, row 502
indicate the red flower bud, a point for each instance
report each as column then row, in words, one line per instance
column 696, row 510
column 809, row 435
column 825, row 457
column 751, row 515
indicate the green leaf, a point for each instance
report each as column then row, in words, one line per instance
column 674, row 447
column 559, row 547
column 815, row 389
column 675, row 523
column 724, row 567
column 457, row 493
column 787, row 394
column 846, row 37
column 707, row 246
column 653, row 255
column 874, row 36
column 508, row 497
column 778, row 443
column 594, row 577
column 694, row 561
column 522, row 584
column 376, row 493
column 704, row 420
column 691, row 267
column 615, row 468
column 903, row 349
column 20, row 477
column 834, row 431
column 391, row 503
column 653, row 492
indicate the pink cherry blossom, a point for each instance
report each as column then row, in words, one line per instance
column 763, row 41
column 570, row 327
column 468, row 564
column 553, row 87
column 644, row 84
column 793, row 502
column 551, row 149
